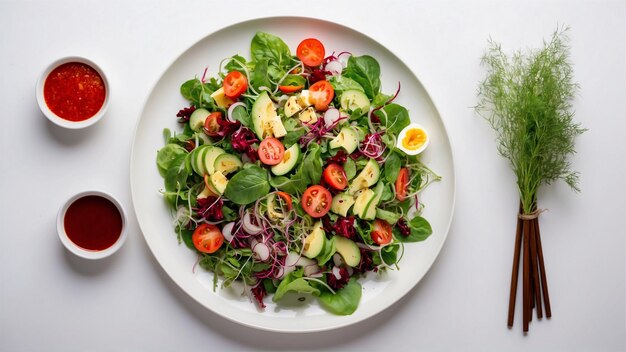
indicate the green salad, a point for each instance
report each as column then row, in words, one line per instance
column 295, row 173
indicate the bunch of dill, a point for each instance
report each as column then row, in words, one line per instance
column 527, row 99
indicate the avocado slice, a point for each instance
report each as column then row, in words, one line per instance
column 290, row 159
column 368, row 177
column 314, row 242
column 348, row 250
column 265, row 121
column 362, row 201
column 342, row 203
column 209, row 158
column 369, row 213
column 219, row 182
column 347, row 139
column 227, row 163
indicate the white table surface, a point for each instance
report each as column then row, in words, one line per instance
column 52, row 301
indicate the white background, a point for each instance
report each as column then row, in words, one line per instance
column 50, row 300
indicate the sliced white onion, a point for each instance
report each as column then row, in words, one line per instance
column 284, row 271
column 227, row 231
column 331, row 116
column 261, row 250
column 249, row 227
column 343, row 58
column 229, row 113
column 294, row 259
column 334, row 67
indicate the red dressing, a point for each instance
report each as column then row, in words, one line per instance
column 74, row 91
column 93, row 223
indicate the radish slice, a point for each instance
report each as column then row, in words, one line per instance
column 337, row 272
column 310, row 270
column 227, row 231
column 249, row 227
column 261, row 250
column 331, row 116
column 334, row 67
column 295, row 259
column 337, row 259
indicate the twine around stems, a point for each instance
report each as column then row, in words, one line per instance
column 531, row 216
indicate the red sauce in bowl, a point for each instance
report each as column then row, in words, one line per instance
column 93, row 223
column 74, row 91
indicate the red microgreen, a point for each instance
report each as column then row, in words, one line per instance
column 185, row 113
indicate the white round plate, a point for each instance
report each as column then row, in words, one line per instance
column 154, row 217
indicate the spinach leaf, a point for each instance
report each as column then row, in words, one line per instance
column 312, row 164
column 166, row 155
column 327, row 251
column 177, row 173
column 292, row 137
column 343, row 302
column 380, row 99
column 199, row 94
column 236, row 63
column 294, row 282
column 394, row 117
column 392, row 167
column 293, row 80
column 265, row 45
column 420, row 230
column 260, row 76
column 342, row 83
column 241, row 114
column 365, row 70
column 248, row 185
column 350, row 168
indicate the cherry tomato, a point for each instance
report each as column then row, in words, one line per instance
column 322, row 94
column 212, row 124
column 207, row 238
column 271, row 151
column 311, row 52
column 316, row 201
column 286, row 198
column 235, row 84
column 381, row 232
column 402, row 184
column 290, row 89
column 335, row 177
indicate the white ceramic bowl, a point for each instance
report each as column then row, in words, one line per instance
column 85, row 253
column 61, row 121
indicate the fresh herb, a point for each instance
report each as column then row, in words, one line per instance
column 527, row 99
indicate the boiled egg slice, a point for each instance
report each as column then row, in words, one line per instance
column 413, row 139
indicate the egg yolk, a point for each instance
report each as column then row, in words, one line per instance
column 414, row 139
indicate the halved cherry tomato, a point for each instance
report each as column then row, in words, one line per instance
column 212, row 124
column 271, row 151
column 207, row 238
column 235, row 84
column 290, row 89
column 286, row 198
column 316, row 201
column 322, row 93
column 402, row 184
column 311, row 52
column 335, row 177
column 381, row 232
